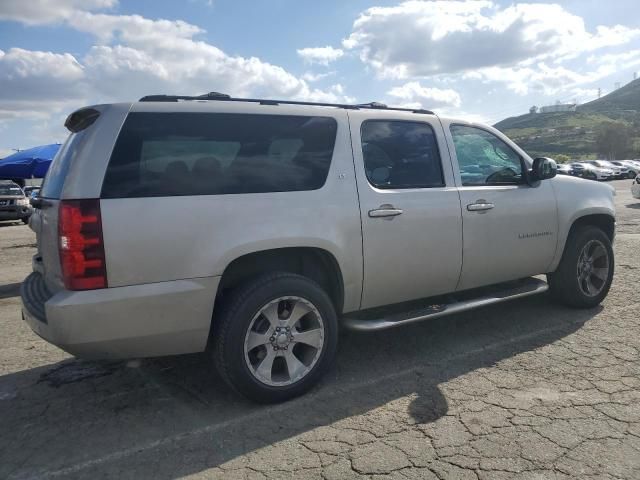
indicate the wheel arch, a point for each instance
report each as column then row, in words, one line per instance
column 604, row 220
column 315, row 263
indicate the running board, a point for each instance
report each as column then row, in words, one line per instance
column 394, row 316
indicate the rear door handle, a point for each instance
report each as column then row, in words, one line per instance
column 480, row 206
column 385, row 211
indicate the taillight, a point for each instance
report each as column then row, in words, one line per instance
column 81, row 246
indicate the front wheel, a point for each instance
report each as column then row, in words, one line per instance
column 275, row 337
column 631, row 175
column 585, row 273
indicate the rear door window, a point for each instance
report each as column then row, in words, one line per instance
column 401, row 154
column 167, row 154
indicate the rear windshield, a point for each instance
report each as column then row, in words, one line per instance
column 54, row 179
column 166, row 154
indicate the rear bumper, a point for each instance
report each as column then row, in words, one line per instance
column 167, row 318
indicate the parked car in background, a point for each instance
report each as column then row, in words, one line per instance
column 635, row 187
column 632, row 167
column 310, row 216
column 567, row 169
column 616, row 171
column 14, row 205
column 591, row 172
column 31, row 190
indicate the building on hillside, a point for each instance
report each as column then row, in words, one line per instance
column 533, row 109
column 559, row 107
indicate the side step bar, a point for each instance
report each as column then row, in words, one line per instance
column 394, row 316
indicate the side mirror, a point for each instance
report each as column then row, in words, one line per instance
column 543, row 168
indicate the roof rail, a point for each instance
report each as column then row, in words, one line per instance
column 221, row 97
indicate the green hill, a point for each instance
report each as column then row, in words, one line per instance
column 574, row 133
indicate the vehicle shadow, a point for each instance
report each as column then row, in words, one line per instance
column 634, row 205
column 166, row 418
column 10, row 223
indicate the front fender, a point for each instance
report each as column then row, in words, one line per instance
column 578, row 198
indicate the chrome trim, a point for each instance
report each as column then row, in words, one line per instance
column 385, row 211
column 480, row 206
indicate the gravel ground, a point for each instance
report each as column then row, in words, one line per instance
column 520, row 390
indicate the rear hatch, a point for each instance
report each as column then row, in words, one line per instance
column 75, row 173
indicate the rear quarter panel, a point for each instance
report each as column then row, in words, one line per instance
column 160, row 239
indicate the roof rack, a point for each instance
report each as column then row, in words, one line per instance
column 222, row 97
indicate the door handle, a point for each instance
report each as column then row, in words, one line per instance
column 385, row 211
column 480, row 206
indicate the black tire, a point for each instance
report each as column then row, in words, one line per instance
column 25, row 220
column 563, row 283
column 631, row 175
column 235, row 318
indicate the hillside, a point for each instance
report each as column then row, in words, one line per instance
column 574, row 133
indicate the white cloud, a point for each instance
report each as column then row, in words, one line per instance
column 314, row 77
column 414, row 95
column 34, row 12
column 421, row 38
column 31, row 77
column 320, row 55
column 137, row 56
column 550, row 80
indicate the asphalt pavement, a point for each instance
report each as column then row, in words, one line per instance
column 525, row 390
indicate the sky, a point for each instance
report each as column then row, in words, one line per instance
column 481, row 60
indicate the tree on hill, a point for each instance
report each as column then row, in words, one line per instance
column 613, row 140
column 562, row 158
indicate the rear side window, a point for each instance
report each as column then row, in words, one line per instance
column 54, row 179
column 400, row 154
column 167, row 154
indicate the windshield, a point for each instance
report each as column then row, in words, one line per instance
column 10, row 190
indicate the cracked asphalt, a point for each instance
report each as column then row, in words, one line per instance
column 525, row 390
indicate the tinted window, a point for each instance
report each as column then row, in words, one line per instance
column 54, row 179
column 401, row 154
column 484, row 159
column 164, row 154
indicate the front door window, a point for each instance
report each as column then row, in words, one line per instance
column 484, row 159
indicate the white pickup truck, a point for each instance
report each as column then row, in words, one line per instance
column 251, row 229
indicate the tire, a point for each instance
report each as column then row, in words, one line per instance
column 243, row 316
column 631, row 175
column 570, row 282
column 25, row 220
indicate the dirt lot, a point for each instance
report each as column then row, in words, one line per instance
column 521, row 390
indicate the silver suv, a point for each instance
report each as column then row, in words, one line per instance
column 14, row 205
column 252, row 229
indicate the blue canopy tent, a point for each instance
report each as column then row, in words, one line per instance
column 31, row 163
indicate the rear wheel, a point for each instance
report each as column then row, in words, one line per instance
column 275, row 337
column 584, row 276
